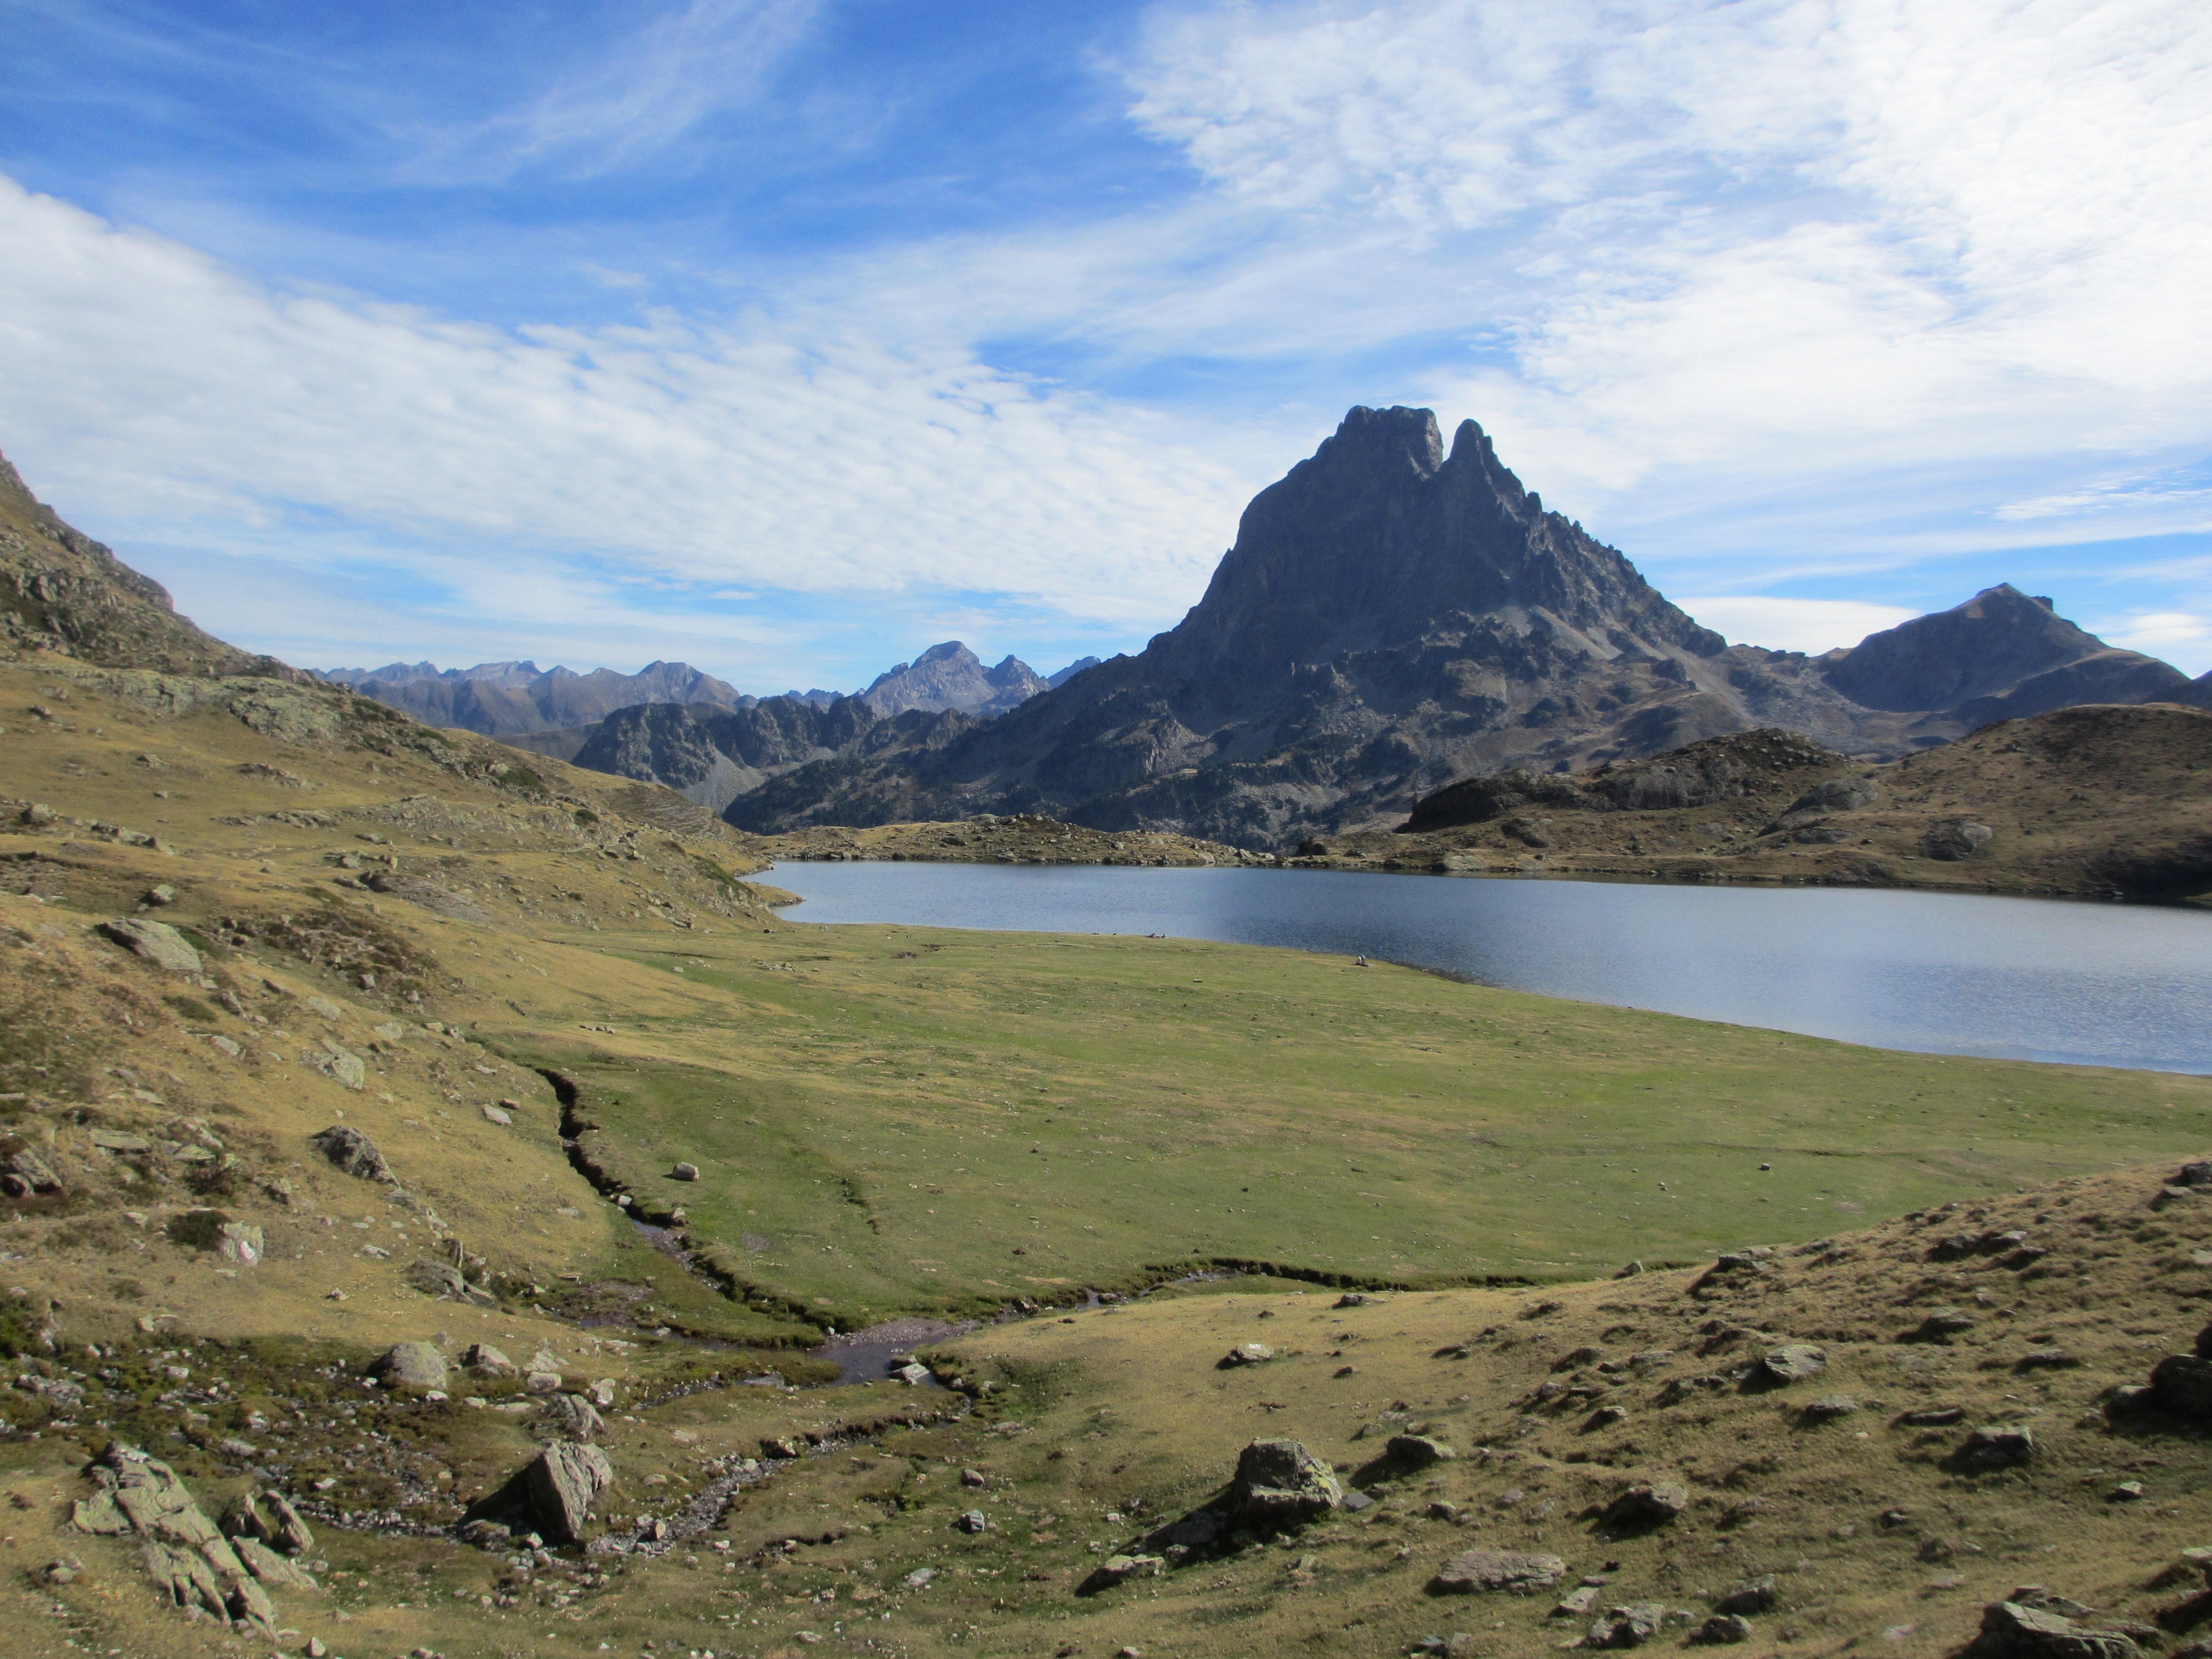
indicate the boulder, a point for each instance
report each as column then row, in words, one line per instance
column 1628, row 1626
column 156, row 941
column 499, row 1115
column 1485, row 1572
column 1417, row 1451
column 445, row 1281
column 1280, row 1481
column 685, row 1172
column 1245, row 1353
column 2012, row 1630
column 410, row 1365
column 1960, row 839
column 1753, row 1596
column 1830, row 1407
column 2002, row 1446
column 1646, row 1506
column 1793, row 1362
column 973, row 1521
column 561, row 1482
column 353, row 1152
column 23, row 1172
column 2182, row 1383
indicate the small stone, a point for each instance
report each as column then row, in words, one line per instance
column 1943, row 1324
column 973, row 1478
column 1933, row 1417
column 163, row 895
column 1578, row 1602
column 685, row 1172
column 973, row 1521
column 499, row 1115
column 2127, row 1492
column 1245, row 1353
column 574, row 1417
column 544, row 1382
column 1829, row 1406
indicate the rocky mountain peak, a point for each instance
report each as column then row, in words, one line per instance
column 952, row 676
column 1994, row 642
column 1381, row 534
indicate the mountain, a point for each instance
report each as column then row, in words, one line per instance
column 63, row 590
column 1055, row 681
column 713, row 755
column 1394, row 616
column 506, row 699
column 950, row 676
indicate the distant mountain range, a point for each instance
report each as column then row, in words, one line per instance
column 1393, row 617
column 556, row 711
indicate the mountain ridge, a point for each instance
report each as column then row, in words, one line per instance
column 1394, row 616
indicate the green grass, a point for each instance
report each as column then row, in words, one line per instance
column 996, row 1115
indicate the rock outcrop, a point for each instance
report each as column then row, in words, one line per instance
column 62, row 590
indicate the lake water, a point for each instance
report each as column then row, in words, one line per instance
column 2026, row 979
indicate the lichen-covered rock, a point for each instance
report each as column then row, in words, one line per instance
column 270, row 1568
column 1280, row 1481
column 487, row 1361
column 156, row 941
column 2013, row 1630
column 1245, row 1353
column 353, row 1152
column 269, row 1517
column 1628, row 1626
column 2001, row 1446
column 1794, row 1362
column 1416, row 1451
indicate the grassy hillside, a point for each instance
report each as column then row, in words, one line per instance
column 398, row 930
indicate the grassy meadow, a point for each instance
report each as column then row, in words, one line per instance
column 890, row 1120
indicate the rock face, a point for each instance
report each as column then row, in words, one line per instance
column 1394, row 616
column 61, row 589
column 1280, row 1481
column 949, row 677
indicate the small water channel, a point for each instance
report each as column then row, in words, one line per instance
column 1940, row 973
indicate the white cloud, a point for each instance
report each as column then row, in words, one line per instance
column 1808, row 625
column 1816, row 238
column 156, row 391
column 2170, row 634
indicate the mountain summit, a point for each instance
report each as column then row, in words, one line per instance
column 1394, row 616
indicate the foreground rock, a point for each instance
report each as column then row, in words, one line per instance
column 1280, row 1482
column 191, row 1564
column 2020, row 1629
column 551, row 1495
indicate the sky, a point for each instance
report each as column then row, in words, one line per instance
column 786, row 338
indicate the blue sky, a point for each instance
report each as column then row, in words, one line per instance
column 788, row 336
